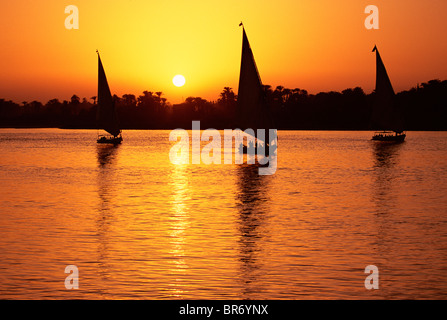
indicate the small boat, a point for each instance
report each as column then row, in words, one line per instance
column 106, row 117
column 385, row 115
column 389, row 136
column 110, row 139
column 253, row 148
column 252, row 108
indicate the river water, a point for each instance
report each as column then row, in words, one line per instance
column 137, row 226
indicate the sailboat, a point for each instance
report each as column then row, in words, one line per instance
column 252, row 107
column 106, row 116
column 384, row 114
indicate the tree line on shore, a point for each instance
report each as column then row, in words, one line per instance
column 422, row 108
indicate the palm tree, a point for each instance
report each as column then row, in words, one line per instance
column 75, row 99
column 227, row 95
column 130, row 100
column 287, row 93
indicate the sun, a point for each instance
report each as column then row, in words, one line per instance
column 179, row 80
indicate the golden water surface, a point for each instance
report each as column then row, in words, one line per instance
column 139, row 227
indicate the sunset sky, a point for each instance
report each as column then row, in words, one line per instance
column 317, row 45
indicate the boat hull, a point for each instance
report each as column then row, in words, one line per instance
column 252, row 150
column 389, row 137
column 110, row 140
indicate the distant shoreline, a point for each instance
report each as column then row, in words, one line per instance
column 423, row 108
column 164, row 129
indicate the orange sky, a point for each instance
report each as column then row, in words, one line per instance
column 318, row 45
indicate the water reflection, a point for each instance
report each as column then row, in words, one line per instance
column 106, row 154
column 386, row 159
column 252, row 198
column 107, row 157
column 177, row 226
column 385, row 196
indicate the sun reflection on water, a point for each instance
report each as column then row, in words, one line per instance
column 178, row 224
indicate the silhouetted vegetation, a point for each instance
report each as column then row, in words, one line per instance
column 422, row 108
